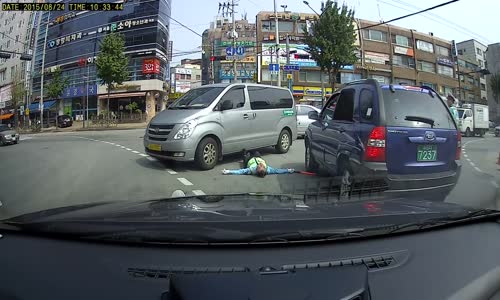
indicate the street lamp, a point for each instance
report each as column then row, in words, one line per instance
column 307, row 3
column 284, row 7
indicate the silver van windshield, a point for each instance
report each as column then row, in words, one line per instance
column 197, row 98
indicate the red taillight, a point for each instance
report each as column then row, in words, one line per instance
column 459, row 146
column 375, row 147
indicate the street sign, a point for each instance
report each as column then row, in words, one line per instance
column 291, row 68
column 230, row 51
column 289, row 76
column 274, row 67
column 240, row 50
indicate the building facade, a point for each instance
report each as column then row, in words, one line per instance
column 16, row 35
column 493, row 60
column 70, row 41
column 475, row 52
column 183, row 78
column 215, row 42
column 387, row 53
column 469, row 84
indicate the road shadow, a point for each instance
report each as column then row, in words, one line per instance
column 155, row 164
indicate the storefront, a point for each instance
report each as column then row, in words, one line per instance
column 310, row 95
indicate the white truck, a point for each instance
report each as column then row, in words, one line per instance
column 473, row 119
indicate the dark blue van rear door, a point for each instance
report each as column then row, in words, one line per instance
column 421, row 136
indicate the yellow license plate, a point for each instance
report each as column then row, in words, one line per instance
column 154, row 147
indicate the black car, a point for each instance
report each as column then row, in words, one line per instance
column 64, row 121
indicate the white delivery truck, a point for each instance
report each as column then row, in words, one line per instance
column 473, row 119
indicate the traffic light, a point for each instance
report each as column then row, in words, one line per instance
column 25, row 56
column 217, row 58
column 5, row 55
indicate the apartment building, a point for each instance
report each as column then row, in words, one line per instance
column 183, row 78
column 493, row 59
column 387, row 53
column 475, row 52
column 470, row 81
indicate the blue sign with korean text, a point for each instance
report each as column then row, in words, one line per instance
column 274, row 67
column 230, row 51
column 79, row 91
column 291, row 68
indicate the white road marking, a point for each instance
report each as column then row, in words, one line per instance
column 495, row 184
column 123, row 147
column 25, row 138
column 171, row 172
column 151, row 158
column 136, row 152
column 465, row 155
column 128, row 149
column 477, row 169
column 143, row 155
column 184, row 181
column 112, row 144
column 1, row 203
column 118, row 145
column 198, row 192
column 472, row 164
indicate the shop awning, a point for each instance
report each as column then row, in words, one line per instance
column 34, row 107
column 6, row 116
column 123, row 95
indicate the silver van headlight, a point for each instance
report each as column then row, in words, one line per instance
column 186, row 130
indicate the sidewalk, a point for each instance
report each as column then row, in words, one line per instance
column 78, row 126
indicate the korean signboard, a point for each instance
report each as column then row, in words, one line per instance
column 151, row 66
column 238, row 43
column 445, row 61
column 301, row 57
column 182, row 86
column 403, row 50
column 125, row 25
column 182, row 71
column 63, row 40
column 376, row 58
column 79, row 91
column 242, row 74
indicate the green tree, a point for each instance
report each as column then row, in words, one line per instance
column 56, row 86
column 112, row 64
column 18, row 94
column 495, row 86
column 331, row 39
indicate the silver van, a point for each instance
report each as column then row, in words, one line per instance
column 219, row 119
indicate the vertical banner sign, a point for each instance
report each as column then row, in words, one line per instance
column 151, row 66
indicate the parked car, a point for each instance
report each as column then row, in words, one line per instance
column 214, row 120
column 64, row 121
column 497, row 131
column 403, row 134
column 303, row 120
column 492, row 124
column 8, row 135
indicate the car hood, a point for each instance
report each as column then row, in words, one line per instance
column 8, row 132
column 175, row 116
column 239, row 207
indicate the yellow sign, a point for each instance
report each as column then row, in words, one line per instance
column 27, row 112
column 247, row 59
column 289, row 76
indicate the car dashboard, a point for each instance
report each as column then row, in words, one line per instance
column 450, row 263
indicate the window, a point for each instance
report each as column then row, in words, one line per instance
column 380, row 78
column 327, row 114
column 269, row 98
column 2, row 75
column 445, row 70
column 366, row 104
column 403, row 60
column 304, row 110
column 401, row 103
column 479, row 52
column 17, row 38
column 285, row 26
column 375, row 35
column 425, row 46
column 345, row 106
column 460, row 52
column 198, row 77
column 235, row 97
column 404, row 81
column 443, row 51
column 483, row 87
column 402, row 40
column 269, row 26
column 431, row 85
column 481, row 63
column 349, row 77
column 426, row 66
column 311, row 76
column 8, row 44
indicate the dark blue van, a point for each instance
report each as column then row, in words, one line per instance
column 403, row 134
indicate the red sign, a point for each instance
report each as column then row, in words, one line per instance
column 82, row 62
column 151, row 66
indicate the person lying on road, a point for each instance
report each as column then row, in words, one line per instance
column 256, row 165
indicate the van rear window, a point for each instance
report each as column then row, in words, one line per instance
column 401, row 103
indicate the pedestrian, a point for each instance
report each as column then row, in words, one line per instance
column 256, row 165
column 453, row 109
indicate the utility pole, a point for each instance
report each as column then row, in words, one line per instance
column 270, row 72
column 277, row 43
column 43, row 67
column 288, row 60
column 233, row 33
column 212, row 75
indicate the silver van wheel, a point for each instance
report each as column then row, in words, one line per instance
column 209, row 153
column 284, row 141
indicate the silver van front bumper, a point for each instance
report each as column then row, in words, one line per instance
column 165, row 147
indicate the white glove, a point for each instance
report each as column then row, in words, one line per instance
column 291, row 170
column 225, row 172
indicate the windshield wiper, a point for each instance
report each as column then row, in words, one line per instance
column 452, row 219
column 420, row 119
column 308, row 236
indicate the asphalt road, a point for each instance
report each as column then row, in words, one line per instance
column 59, row 169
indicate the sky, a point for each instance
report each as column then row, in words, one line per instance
column 459, row 21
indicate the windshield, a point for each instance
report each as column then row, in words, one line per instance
column 197, row 98
column 167, row 112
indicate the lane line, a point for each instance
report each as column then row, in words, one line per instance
column 198, row 192
column 136, row 152
column 112, row 144
column 477, row 169
column 151, row 158
column 123, row 147
column 171, row 172
column 143, row 155
column 472, row 164
column 184, row 181
column 495, row 184
column 465, row 155
column 128, row 149
column 1, row 203
column 118, row 145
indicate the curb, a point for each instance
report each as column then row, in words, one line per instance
column 80, row 130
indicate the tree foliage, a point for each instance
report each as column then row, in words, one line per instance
column 112, row 64
column 57, row 84
column 495, row 86
column 331, row 38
